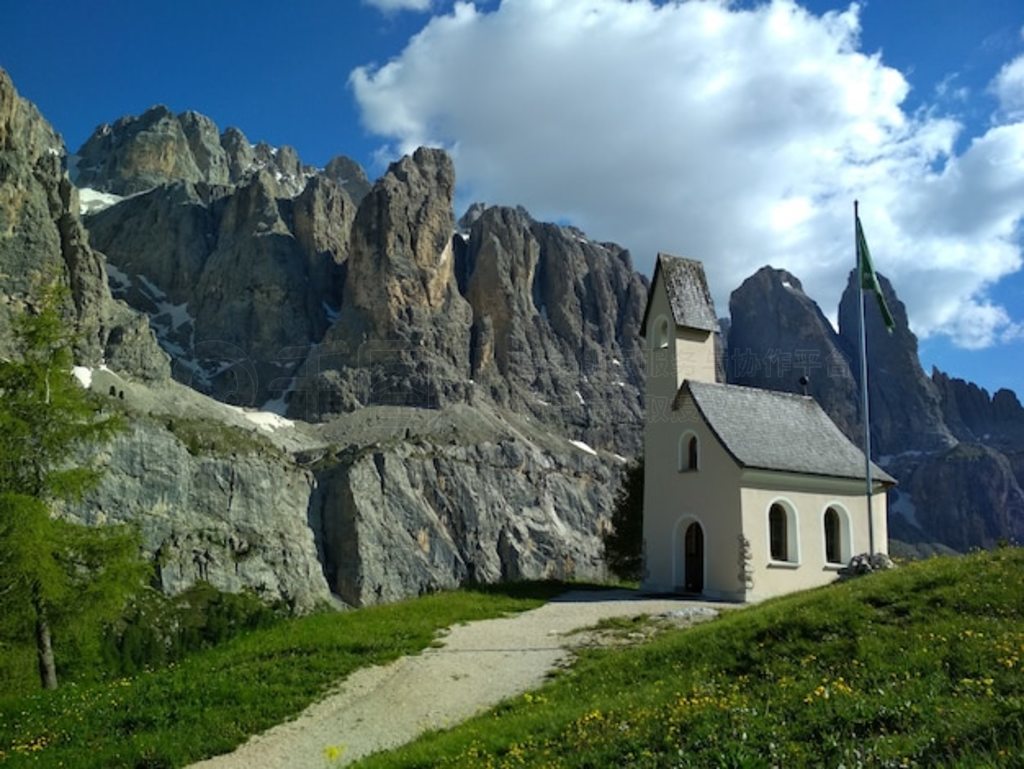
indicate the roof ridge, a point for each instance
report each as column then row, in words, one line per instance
column 748, row 388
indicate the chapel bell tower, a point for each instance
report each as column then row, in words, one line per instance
column 679, row 328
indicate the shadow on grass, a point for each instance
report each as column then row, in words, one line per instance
column 545, row 590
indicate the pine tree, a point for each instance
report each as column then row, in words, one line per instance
column 56, row 571
column 623, row 544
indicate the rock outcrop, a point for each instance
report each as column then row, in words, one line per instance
column 778, row 334
column 967, row 496
column 42, row 239
column 556, row 326
column 237, row 282
column 215, row 491
column 235, row 520
column 973, row 415
column 138, row 153
column 348, row 175
column 428, row 513
column 402, row 337
column 906, row 412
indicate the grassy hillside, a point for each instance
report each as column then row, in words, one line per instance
column 916, row 667
column 212, row 700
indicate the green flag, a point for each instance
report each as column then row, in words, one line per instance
column 868, row 278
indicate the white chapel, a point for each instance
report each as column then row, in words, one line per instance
column 748, row 493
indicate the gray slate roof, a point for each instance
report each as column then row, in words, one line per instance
column 688, row 294
column 770, row 430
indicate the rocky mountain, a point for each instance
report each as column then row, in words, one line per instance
column 530, row 316
column 557, row 322
column 344, row 295
column 906, row 414
column 973, row 415
column 415, row 475
column 955, row 449
column 233, row 279
column 42, row 239
column 235, row 251
column 138, row 153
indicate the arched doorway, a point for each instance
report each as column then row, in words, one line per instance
column 693, row 559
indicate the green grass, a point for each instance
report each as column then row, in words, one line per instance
column 916, row 667
column 202, row 437
column 212, row 701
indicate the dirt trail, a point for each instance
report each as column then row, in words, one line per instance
column 479, row 665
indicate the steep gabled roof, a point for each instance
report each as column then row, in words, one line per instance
column 687, row 290
column 769, row 430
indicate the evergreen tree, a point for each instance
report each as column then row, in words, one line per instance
column 52, row 571
column 623, row 544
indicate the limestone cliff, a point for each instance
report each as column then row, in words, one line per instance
column 237, row 282
column 556, row 326
column 434, row 499
column 42, row 239
column 138, row 153
column 967, row 496
column 402, row 337
column 216, row 497
column 973, row 415
column 906, row 413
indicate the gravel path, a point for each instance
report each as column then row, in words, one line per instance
column 479, row 665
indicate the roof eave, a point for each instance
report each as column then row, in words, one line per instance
column 650, row 297
column 888, row 481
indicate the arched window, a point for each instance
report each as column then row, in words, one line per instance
column 832, row 537
column 777, row 533
column 836, row 528
column 689, row 453
column 783, row 539
column 661, row 336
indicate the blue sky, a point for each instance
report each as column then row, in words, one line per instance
column 737, row 134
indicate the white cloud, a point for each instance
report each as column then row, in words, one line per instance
column 393, row 6
column 1008, row 87
column 736, row 136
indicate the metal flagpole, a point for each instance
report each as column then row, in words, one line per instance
column 864, row 378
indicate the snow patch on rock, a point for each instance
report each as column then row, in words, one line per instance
column 265, row 420
column 583, row 447
column 90, row 201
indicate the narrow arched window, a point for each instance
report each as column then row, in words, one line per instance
column 689, row 452
column 833, row 537
column 662, row 334
column 778, row 533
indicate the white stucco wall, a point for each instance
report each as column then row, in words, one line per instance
column 689, row 354
column 809, row 498
column 695, row 355
column 673, row 499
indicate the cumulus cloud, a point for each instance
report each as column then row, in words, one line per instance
column 1008, row 87
column 392, row 6
column 739, row 136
